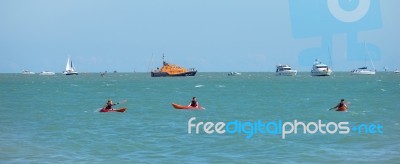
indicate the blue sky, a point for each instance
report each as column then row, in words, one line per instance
column 210, row 35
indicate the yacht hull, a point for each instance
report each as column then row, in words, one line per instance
column 286, row 73
column 320, row 73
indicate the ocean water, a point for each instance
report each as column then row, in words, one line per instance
column 47, row 119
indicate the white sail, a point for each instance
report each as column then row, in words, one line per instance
column 68, row 67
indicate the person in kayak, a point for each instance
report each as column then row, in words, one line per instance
column 341, row 106
column 194, row 103
column 109, row 105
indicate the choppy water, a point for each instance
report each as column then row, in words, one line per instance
column 47, row 119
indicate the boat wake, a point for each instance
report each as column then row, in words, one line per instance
column 198, row 86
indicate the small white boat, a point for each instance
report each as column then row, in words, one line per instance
column 234, row 73
column 69, row 68
column 285, row 70
column 48, row 73
column 363, row 71
column 320, row 69
column 396, row 71
column 26, row 72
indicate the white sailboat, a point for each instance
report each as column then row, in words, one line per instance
column 364, row 70
column 69, row 69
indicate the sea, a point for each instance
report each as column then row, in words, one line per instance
column 55, row 119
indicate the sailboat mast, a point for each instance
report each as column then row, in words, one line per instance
column 72, row 66
column 330, row 58
column 365, row 45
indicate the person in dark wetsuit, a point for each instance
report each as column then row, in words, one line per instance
column 194, row 103
column 109, row 105
column 341, row 106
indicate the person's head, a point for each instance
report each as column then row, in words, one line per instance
column 109, row 100
column 341, row 100
column 194, row 98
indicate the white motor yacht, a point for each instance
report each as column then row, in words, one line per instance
column 27, row 72
column 285, row 70
column 320, row 69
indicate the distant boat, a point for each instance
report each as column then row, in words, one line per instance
column 320, row 69
column 27, row 72
column 364, row 70
column 48, row 73
column 234, row 73
column 396, row 71
column 285, row 70
column 102, row 74
column 172, row 70
column 69, row 68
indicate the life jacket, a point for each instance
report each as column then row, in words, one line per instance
column 194, row 103
column 109, row 106
column 341, row 107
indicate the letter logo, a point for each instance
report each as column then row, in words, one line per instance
column 349, row 16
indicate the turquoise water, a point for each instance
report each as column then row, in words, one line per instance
column 47, row 119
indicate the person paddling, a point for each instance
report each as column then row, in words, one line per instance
column 194, row 103
column 341, row 106
column 109, row 104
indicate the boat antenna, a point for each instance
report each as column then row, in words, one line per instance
column 163, row 58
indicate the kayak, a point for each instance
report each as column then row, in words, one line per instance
column 343, row 108
column 177, row 106
column 113, row 110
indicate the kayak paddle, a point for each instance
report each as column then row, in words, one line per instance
column 122, row 101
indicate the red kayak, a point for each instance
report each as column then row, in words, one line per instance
column 113, row 110
column 177, row 106
column 343, row 108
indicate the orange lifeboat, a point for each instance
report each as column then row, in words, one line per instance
column 169, row 69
